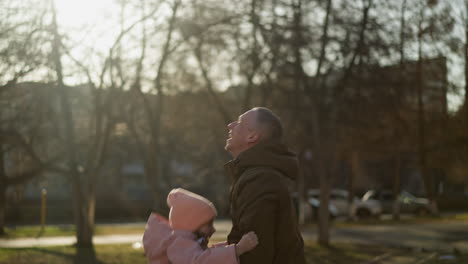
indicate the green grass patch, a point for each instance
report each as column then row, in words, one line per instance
column 110, row 229
column 125, row 253
column 69, row 230
column 463, row 217
column 105, row 254
column 36, row 231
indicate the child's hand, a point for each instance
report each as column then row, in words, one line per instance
column 247, row 243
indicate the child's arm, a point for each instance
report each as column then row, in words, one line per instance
column 248, row 242
column 187, row 251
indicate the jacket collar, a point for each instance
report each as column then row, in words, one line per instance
column 236, row 166
column 267, row 153
column 232, row 169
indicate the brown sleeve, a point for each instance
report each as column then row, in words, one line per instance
column 258, row 210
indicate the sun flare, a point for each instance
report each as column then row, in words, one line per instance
column 75, row 14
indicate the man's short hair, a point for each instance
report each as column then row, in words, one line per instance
column 270, row 122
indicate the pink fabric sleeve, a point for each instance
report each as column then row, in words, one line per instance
column 187, row 251
column 156, row 238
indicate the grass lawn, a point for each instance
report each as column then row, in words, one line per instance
column 69, row 230
column 126, row 253
column 106, row 254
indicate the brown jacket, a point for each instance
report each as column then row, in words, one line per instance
column 260, row 202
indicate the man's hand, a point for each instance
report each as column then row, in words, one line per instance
column 248, row 242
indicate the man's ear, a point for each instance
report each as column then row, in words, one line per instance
column 253, row 137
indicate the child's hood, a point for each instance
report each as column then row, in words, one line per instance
column 157, row 237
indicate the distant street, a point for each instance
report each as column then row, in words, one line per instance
column 443, row 236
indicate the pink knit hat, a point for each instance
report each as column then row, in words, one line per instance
column 189, row 211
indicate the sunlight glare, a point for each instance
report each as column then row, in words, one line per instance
column 137, row 245
column 89, row 27
column 74, row 14
column 88, row 22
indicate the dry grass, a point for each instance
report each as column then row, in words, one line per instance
column 126, row 253
column 106, row 254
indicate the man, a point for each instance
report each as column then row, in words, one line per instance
column 260, row 200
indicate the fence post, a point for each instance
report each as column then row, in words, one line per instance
column 43, row 208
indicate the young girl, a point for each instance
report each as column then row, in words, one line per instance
column 184, row 238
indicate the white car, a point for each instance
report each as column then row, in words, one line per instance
column 363, row 209
column 408, row 202
column 359, row 208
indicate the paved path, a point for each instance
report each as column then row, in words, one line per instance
column 61, row 241
column 441, row 237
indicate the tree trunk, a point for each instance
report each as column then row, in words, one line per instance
column 81, row 207
column 355, row 173
column 466, row 60
column 320, row 160
column 402, row 34
column 421, row 126
column 85, row 255
column 2, row 208
column 300, row 188
column 324, row 44
column 396, row 188
column 86, row 219
column 156, row 183
column 3, row 188
column 324, row 214
column 396, row 174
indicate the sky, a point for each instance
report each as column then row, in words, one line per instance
column 88, row 19
column 86, row 24
column 73, row 13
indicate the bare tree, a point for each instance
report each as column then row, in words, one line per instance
column 103, row 116
column 23, row 121
column 153, row 111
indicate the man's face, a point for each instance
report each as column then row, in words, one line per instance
column 241, row 133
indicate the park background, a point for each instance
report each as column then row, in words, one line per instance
column 108, row 105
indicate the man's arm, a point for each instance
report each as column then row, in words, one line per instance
column 258, row 212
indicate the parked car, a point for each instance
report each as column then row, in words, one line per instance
column 359, row 208
column 338, row 198
column 408, row 202
column 364, row 209
column 313, row 205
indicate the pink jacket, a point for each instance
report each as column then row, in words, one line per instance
column 166, row 246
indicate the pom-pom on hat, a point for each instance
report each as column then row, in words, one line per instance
column 189, row 211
